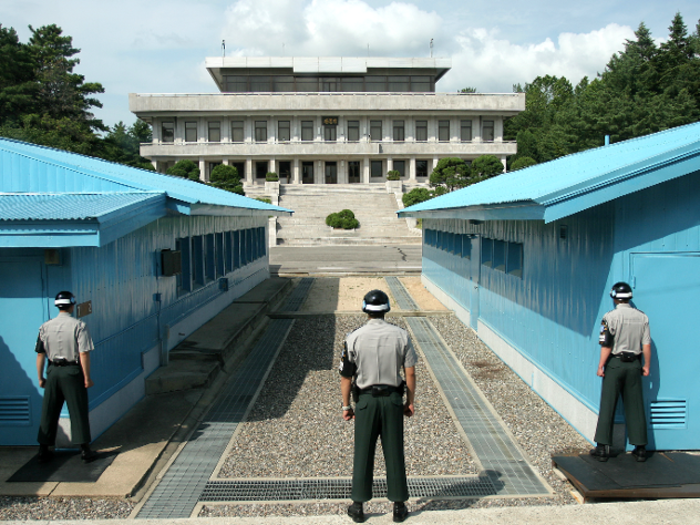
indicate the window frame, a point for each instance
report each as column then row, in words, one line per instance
column 191, row 127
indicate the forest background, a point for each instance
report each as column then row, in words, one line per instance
column 644, row 89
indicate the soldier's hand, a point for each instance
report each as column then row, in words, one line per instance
column 88, row 382
column 409, row 410
column 601, row 371
column 42, row 383
column 348, row 415
column 645, row 371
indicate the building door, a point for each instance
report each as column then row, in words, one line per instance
column 24, row 309
column 285, row 171
column 667, row 288
column 354, row 172
column 331, row 173
column 307, row 172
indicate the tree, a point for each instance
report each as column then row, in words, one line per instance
column 467, row 90
column 451, row 173
column 485, row 167
column 17, row 91
column 522, row 162
column 415, row 196
column 226, row 178
column 184, row 168
column 122, row 145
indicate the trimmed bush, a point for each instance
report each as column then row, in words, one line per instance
column 415, row 196
column 184, row 168
column 522, row 162
column 271, row 176
column 344, row 219
column 226, row 178
column 393, row 175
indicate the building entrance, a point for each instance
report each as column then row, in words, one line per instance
column 307, row 172
column 331, row 173
column 354, row 172
column 285, row 171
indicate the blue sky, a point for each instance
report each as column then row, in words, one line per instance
column 159, row 46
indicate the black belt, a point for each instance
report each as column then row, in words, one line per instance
column 64, row 362
column 627, row 357
column 381, row 390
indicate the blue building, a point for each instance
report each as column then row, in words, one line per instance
column 149, row 257
column 527, row 259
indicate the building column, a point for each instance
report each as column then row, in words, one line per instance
column 389, row 164
column 503, row 161
column 365, row 170
column 272, row 166
column 342, row 168
column 249, row 171
column 225, row 162
column 412, row 169
column 296, row 171
column 203, row 170
column 435, row 163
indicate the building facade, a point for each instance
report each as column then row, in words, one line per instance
column 325, row 120
column 527, row 259
column 150, row 259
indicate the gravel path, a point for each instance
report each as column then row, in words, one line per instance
column 18, row 509
column 304, row 436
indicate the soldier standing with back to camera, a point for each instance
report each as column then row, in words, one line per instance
column 624, row 340
column 66, row 342
column 374, row 355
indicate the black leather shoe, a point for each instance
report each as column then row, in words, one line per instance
column 87, row 454
column 356, row 513
column 400, row 512
column 640, row 453
column 602, row 452
column 45, row 455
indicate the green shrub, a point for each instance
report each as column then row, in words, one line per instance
column 185, row 169
column 522, row 162
column 393, row 175
column 344, row 219
column 264, row 199
column 271, row 176
column 415, row 196
column 226, row 178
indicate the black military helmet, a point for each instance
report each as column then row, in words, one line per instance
column 375, row 301
column 64, row 299
column 621, row 291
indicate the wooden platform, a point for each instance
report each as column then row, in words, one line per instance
column 663, row 475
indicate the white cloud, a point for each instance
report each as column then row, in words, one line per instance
column 328, row 28
column 494, row 65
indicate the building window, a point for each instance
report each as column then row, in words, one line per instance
column 420, row 84
column 197, row 265
column 421, row 168
column 235, row 84
column 260, row 131
column 237, row 134
column 499, row 255
column 400, row 166
column 375, row 130
column 168, row 132
column 444, row 130
column 307, row 130
column 329, row 84
column 466, row 247
column 307, row 84
column 514, row 259
column 261, row 169
column 376, row 169
column 375, row 83
column 487, row 251
column 421, row 131
column 466, row 131
column 190, row 132
column 330, row 133
column 214, row 131
column 399, row 131
column 353, row 130
column 399, row 84
column 352, row 84
column 260, row 84
column 283, row 131
column 283, row 84
column 487, row 131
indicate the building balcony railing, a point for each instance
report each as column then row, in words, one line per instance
column 320, row 149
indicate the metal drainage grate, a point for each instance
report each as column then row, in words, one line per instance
column 403, row 298
column 298, row 295
column 320, row 489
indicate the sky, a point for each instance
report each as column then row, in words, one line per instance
column 159, row 46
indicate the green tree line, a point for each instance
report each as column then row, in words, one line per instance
column 43, row 101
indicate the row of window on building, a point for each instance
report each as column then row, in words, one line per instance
column 503, row 256
column 205, row 258
column 330, row 131
column 328, row 84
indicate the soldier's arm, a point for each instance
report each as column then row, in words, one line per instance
column 85, row 365
column 646, row 351
column 345, row 387
column 40, row 360
column 604, row 356
column 410, row 373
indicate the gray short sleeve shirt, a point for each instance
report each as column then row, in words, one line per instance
column 629, row 327
column 64, row 337
column 380, row 350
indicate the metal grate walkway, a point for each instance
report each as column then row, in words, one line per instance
column 403, row 298
column 499, row 455
column 179, row 490
column 336, row 488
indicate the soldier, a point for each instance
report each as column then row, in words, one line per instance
column 66, row 342
column 374, row 356
column 624, row 339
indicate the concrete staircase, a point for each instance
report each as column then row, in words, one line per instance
column 371, row 204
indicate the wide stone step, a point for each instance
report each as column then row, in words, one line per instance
column 342, row 241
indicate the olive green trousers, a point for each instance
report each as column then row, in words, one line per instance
column 64, row 384
column 375, row 417
column 622, row 379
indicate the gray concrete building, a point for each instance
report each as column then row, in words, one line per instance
column 325, row 120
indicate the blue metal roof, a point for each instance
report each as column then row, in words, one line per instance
column 570, row 184
column 28, row 168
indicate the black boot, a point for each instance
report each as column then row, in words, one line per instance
column 602, row 452
column 400, row 512
column 356, row 513
column 87, row 454
column 640, row 453
column 45, row 455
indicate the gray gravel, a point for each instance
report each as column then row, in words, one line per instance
column 25, row 508
column 303, row 435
